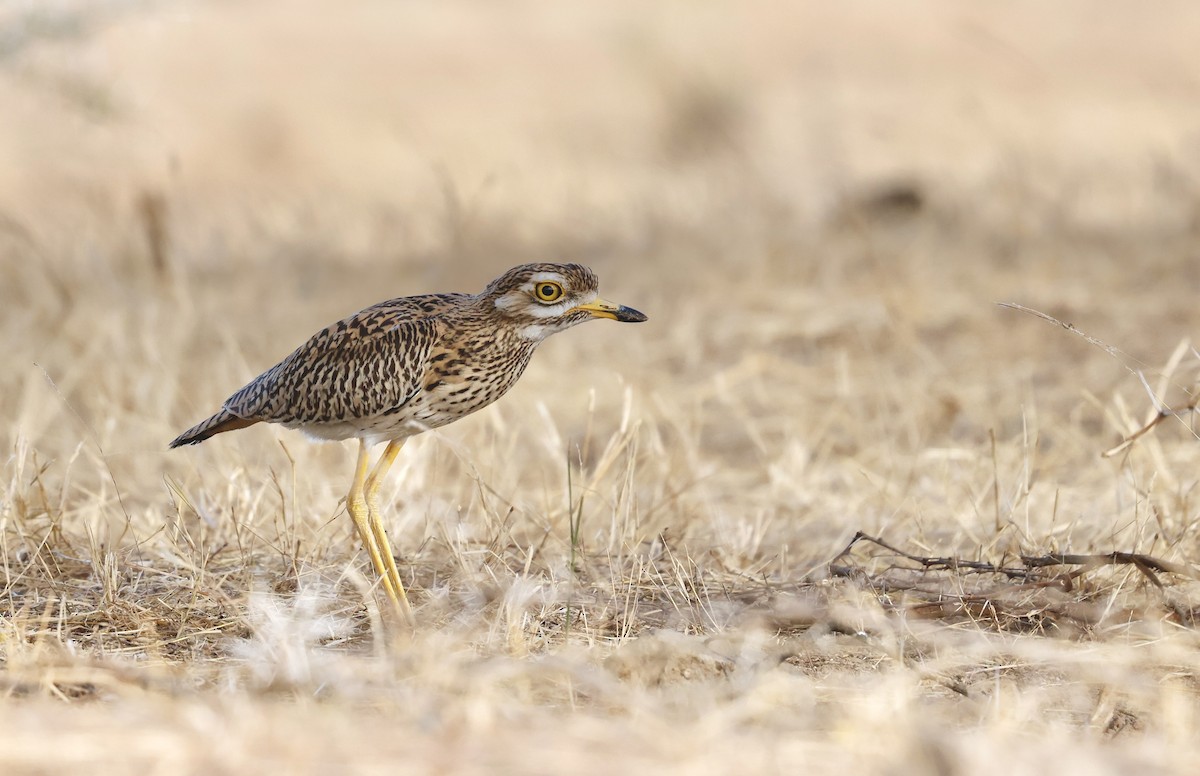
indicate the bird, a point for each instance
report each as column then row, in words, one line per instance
column 407, row 365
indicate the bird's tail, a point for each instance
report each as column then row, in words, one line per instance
column 221, row 422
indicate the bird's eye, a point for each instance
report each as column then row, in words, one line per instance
column 548, row 291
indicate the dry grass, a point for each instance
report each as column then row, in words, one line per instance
column 626, row 564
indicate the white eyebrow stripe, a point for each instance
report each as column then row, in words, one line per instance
column 516, row 301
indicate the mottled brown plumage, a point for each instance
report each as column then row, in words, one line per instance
column 410, row 364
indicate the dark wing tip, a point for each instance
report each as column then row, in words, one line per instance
column 218, row 424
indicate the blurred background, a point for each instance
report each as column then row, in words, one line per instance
column 817, row 205
column 419, row 133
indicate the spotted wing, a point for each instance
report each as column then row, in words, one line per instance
column 365, row 365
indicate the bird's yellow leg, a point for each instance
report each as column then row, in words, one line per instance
column 372, row 493
column 360, row 513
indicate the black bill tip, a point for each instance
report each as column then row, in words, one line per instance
column 629, row 315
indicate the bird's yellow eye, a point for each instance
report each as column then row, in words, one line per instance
column 547, row 291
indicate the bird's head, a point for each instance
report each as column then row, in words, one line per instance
column 543, row 299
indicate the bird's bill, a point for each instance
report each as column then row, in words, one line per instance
column 600, row 308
